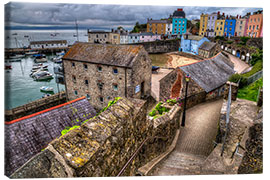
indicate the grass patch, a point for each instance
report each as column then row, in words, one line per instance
column 251, row 91
column 256, row 68
column 159, row 59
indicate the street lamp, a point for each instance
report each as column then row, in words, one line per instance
column 187, row 77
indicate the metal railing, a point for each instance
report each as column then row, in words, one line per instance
column 254, row 77
column 227, row 119
column 136, row 152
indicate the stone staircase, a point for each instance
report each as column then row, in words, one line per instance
column 180, row 164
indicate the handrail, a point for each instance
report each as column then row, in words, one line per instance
column 135, row 153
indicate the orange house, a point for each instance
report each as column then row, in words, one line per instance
column 255, row 23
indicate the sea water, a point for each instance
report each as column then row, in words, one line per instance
column 20, row 88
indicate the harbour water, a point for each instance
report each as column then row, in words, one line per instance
column 20, row 88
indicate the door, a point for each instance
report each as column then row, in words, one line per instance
column 142, row 89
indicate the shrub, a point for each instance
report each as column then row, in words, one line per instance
column 258, row 66
column 236, row 77
column 158, row 110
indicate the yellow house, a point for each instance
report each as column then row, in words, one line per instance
column 203, row 24
column 219, row 27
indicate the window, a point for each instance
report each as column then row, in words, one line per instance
column 253, row 27
column 250, row 20
column 220, row 28
column 86, row 82
column 249, row 27
column 241, row 22
column 85, row 66
column 101, row 99
column 115, row 70
column 74, row 78
column 240, row 27
column 231, row 23
column 99, row 69
column 97, row 35
column 221, row 23
column 254, row 20
column 258, row 19
column 76, row 92
column 73, row 64
column 257, row 27
column 115, row 87
column 239, row 33
column 88, row 96
column 217, row 28
column 105, row 35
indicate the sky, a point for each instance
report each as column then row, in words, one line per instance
column 98, row 16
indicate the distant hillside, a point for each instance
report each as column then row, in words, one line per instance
column 139, row 28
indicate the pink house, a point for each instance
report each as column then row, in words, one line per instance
column 261, row 35
column 149, row 36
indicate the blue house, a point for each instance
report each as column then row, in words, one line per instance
column 134, row 38
column 191, row 43
column 179, row 22
column 229, row 27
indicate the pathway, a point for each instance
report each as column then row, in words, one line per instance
column 195, row 142
column 239, row 65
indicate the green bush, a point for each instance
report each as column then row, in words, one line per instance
column 236, row 77
column 255, row 57
column 158, row 110
column 258, row 66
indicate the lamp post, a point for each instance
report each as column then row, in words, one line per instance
column 187, row 77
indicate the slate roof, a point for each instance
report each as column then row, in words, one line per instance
column 192, row 37
column 210, row 73
column 27, row 136
column 207, row 46
column 179, row 14
column 165, row 21
column 106, row 54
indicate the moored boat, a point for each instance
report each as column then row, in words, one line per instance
column 43, row 76
column 31, row 52
column 46, row 89
column 16, row 56
column 40, row 58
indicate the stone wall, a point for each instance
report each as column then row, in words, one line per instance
column 104, row 144
column 161, row 46
column 234, row 90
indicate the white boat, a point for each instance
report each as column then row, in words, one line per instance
column 43, row 76
column 34, row 73
column 46, row 89
column 16, row 56
column 31, row 52
column 57, row 59
column 62, row 53
column 46, row 95
column 40, row 58
column 36, row 68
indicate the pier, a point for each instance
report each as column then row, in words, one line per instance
column 35, row 106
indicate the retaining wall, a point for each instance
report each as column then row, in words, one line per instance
column 104, row 144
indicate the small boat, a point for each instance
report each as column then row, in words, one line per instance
column 155, row 68
column 35, row 73
column 36, row 68
column 43, row 76
column 31, row 52
column 15, row 60
column 26, row 36
column 8, row 66
column 16, row 56
column 46, row 95
column 57, row 59
column 14, row 34
column 46, row 89
column 62, row 53
column 40, row 58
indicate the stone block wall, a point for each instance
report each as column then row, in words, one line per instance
column 104, row 144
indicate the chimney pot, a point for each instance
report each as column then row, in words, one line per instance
column 179, row 9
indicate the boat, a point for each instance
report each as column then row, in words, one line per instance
column 62, row 53
column 15, row 60
column 46, row 89
column 8, row 66
column 15, row 34
column 57, row 59
column 16, row 56
column 26, row 36
column 31, row 52
column 40, row 58
column 38, row 67
column 43, row 76
column 46, row 95
column 35, row 73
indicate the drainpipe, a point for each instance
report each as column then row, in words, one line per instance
column 125, row 82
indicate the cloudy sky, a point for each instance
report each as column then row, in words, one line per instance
column 99, row 16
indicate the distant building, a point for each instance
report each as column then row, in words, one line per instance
column 179, row 22
column 133, row 38
column 103, row 37
column 229, row 28
column 123, row 35
column 219, row 27
column 255, row 24
column 207, row 49
column 210, row 31
column 203, row 24
column 191, row 43
column 241, row 26
column 149, row 36
column 169, row 27
column 104, row 71
column 157, row 26
column 48, row 44
column 27, row 136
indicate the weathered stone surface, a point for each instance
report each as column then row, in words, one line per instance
column 43, row 165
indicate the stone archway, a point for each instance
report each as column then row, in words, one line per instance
column 238, row 53
column 243, row 55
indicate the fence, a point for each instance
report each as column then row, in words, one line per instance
column 228, row 110
column 254, row 77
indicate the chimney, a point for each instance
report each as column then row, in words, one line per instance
column 237, row 16
column 112, row 30
column 240, row 17
column 227, row 17
column 218, row 12
column 186, row 36
column 180, row 9
column 223, row 14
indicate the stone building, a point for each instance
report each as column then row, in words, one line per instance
column 48, row 44
column 123, row 35
column 255, row 24
column 27, row 136
column 203, row 24
column 207, row 49
column 103, row 37
column 103, row 71
column 207, row 80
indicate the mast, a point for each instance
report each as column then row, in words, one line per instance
column 77, row 29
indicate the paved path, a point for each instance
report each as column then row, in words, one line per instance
column 195, row 142
column 239, row 65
